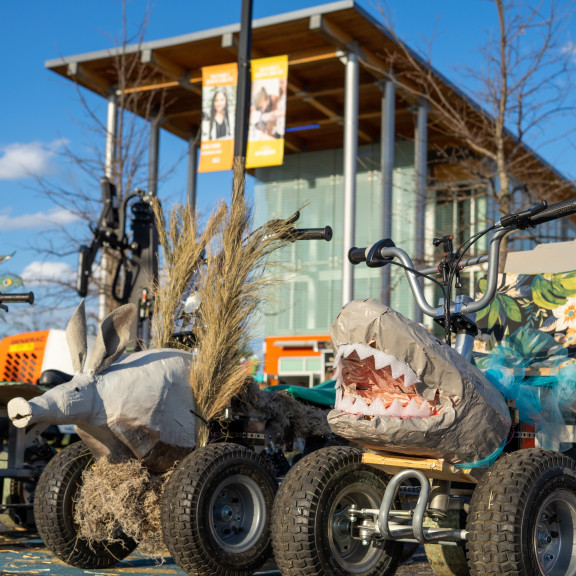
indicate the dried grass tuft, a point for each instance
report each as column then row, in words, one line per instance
column 121, row 493
column 232, row 285
column 182, row 245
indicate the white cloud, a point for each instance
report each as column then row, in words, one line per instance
column 569, row 48
column 39, row 273
column 55, row 217
column 19, row 161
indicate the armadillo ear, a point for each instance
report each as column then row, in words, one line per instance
column 76, row 337
column 112, row 338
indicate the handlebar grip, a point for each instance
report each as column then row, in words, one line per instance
column 558, row 210
column 357, row 255
column 17, row 298
column 314, row 233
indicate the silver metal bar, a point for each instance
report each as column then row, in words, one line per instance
column 111, row 136
column 491, row 283
column 389, row 498
column 387, row 131
column 421, row 165
column 109, row 169
column 350, row 155
column 394, row 531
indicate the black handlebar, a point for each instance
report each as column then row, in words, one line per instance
column 312, row 234
column 17, row 298
column 372, row 256
column 521, row 220
column 356, row 255
column 558, row 210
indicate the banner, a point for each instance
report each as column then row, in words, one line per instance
column 218, row 117
column 267, row 112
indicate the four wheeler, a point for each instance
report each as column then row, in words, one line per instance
column 337, row 510
column 217, row 504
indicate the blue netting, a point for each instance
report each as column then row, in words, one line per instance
column 531, row 368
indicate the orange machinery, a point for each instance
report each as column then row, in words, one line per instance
column 297, row 360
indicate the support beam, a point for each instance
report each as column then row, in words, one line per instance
column 155, row 122
column 111, row 136
column 388, row 130
column 421, row 166
column 109, row 171
column 88, row 78
column 350, row 155
column 170, row 69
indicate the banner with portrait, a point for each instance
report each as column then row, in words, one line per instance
column 219, row 84
column 267, row 112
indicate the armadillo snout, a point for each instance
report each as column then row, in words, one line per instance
column 20, row 412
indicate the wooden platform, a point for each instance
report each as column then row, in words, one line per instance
column 437, row 469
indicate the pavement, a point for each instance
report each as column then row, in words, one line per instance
column 23, row 553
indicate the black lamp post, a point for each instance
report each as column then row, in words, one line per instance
column 244, row 81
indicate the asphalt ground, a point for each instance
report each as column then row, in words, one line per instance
column 23, row 553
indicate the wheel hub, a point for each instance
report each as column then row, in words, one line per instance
column 352, row 554
column 237, row 512
column 554, row 540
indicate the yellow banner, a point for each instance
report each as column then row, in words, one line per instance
column 218, row 115
column 267, row 112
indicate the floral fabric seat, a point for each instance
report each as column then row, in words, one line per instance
column 527, row 347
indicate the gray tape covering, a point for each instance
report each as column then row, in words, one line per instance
column 468, row 417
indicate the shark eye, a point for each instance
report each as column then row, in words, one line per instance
column 77, row 389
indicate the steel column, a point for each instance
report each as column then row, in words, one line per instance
column 421, row 166
column 350, row 155
column 111, row 136
column 387, row 131
column 109, row 169
column 155, row 122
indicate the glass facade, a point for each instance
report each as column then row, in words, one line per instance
column 310, row 295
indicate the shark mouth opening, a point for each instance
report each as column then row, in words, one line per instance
column 371, row 383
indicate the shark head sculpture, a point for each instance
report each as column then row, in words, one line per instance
column 401, row 389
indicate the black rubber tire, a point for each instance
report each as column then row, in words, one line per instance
column 309, row 526
column 216, row 510
column 22, row 491
column 522, row 518
column 54, row 513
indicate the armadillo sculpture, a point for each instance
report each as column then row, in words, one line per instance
column 401, row 389
column 140, row 406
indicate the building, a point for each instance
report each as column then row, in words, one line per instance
column 359, row 152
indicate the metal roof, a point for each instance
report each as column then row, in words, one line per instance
column 167, row 74
column 314, row 39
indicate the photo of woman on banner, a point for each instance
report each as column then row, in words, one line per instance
column 217, row 119
column 268, row 109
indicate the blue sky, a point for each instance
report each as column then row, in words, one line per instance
column 40, row 111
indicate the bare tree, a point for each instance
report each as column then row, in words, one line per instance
column 128, row 170
column 522, row 85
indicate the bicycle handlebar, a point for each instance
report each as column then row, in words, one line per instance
column 357, row 255
column 535, row 216
column 558, row 210
column 311, row 234
column 17, row 298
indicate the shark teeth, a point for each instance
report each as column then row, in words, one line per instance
column 364, row 396
column 381, row 360
column 357, row 405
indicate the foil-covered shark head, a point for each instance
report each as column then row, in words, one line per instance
column 400, row 389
